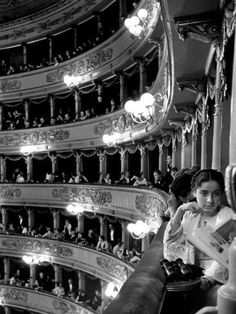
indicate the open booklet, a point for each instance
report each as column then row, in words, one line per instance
column 215, row 242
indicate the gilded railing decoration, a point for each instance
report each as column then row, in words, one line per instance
column 82, row 66
column 118, row 124
column 109, row 265
column 9, row 85
column 35, row 137
column 37, row 246
column 82, row 195
column 8, row 193
column 13, row 294
column 66, row 308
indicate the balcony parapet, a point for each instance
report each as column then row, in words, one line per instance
column 100, row 61
column 125, row 202
column 24, row 298
column 102, row 265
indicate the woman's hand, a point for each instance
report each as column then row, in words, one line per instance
column 192, row 207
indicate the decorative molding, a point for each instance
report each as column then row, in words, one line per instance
column 38, row 247
column 186, row 108
column 35, row 137
column 177, row 123
column 193, row 85
column 82, row 195
column 111, row 266
column 150, row 206
column 82, row 66
column 13, row 294
column 7, row 85
column 7, row 192
column 66, row 308
column 203, row 27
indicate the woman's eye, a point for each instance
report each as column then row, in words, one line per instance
column 216, row 193
column 204, row 193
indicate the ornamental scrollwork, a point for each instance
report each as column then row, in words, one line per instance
column 9, row 85
column 112, row 267
column 151, row 206
column 7, row 193
column 82, row 66
column 37, row 246
column 66, row 308
column 36, row 137
column 13, row 294
column 83, row 195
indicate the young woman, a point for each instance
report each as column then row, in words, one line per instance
column 208, row 188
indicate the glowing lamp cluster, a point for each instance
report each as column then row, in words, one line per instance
column 75, row 209
column 135, row 24
column 141, row 110
column 111, row 139
column 111, row 291
column 138, row 230
column 72, row 80
column 33, row 259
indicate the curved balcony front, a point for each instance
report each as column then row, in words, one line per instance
column 125, row 202
column 102, row 265
column 39, row 302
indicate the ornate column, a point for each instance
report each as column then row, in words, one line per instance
column 102, row 163
column 53, row 159
column 4, row 218
column 56, row 218
column 6, row 266
column 50, row 49
column 125, row 233
column 103, row 294
column 194, row 144
column 80, row 222
column 143, row 161
column 217, row 123
column 30, row 213
column 123, row 89
column 183, row 149
column 29, row 167
column 77, row 103
column 122, row 11
column 52, row 106
column 205, row 123
column 7, row 309
column 160, row 161
column 79, row 162
column 81, row 280
column 173, row 156
column 124, row 160
column 99, row 89
column 1, row 112
column 3, row 168
column 75, row 35
column 24, row 53
column 58, row 273
column 142, row 75
column 32, row 274
column 103, row 225
column 26, row 107
column 145, row 243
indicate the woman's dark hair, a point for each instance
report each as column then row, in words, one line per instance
column 206, row 175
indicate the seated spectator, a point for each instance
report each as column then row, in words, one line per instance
column 20, row 178
column 173, row 172
column 59, row 290
column 159, row 181
column 63, row 177
column 13, row 280
column 72, row 178
column 80, row 178
column 125, row 179
column 107, row 179
column 71, row 289
column 52, row 121
column 67, row 118
column 11, row 126
column 97, row 300
column 87, row 113
column 49, row 178
column 41, row 281
column 91, row 238
column 26, row 124
column 81, row 297
column 35, row 123
column 135, row 256
column 118, row 249
column 67, row 230
column 48, row 234
column 103, row 244
column 82, row 116
column 42, row 122
column 59, row 118
column 57, row 235
column 80, row 240
column 67, row 53
column 73, row 236
column 11, row 229
column 139, row 180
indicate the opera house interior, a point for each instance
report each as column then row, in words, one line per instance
column 111, row 112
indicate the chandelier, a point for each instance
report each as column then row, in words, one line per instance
column 33, row 259
column 72, row 81
column 138, row 230
column 141, row 110
column 136, row 23
column 111, row 139
column 75, row 209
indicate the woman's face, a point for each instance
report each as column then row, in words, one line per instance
column 208, row 197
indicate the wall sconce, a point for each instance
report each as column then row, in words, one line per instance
column 141, row 110
column 72, row 81
column 75, row 209
column 33, row 259
column 136, row 24
column 138, row 230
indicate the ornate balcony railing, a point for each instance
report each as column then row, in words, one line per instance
column 125, row 202
column 40, row 302
column 102, row 265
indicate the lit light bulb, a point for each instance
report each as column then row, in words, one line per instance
column 148, row 99
column 142, row 14
column 128, row 22
column 135, row 20
column 129, row 105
